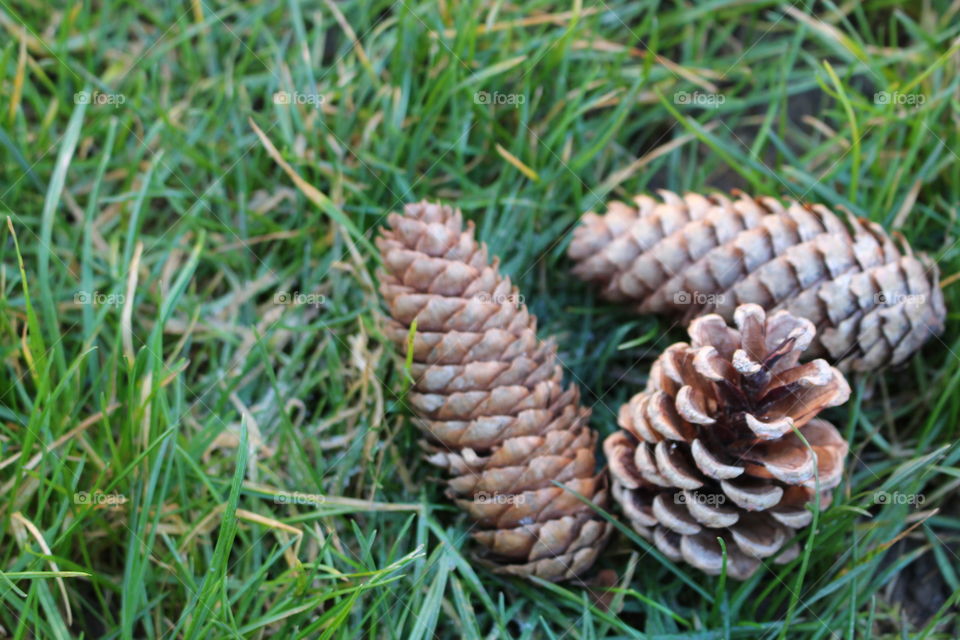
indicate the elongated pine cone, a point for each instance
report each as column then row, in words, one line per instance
column 489, row 397
column 873, row 302
column 709, row 450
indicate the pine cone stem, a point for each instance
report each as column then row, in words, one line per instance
column 490, row 399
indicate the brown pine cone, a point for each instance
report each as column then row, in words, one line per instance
column 873, row 302
column 489, row 396
column 709, row 450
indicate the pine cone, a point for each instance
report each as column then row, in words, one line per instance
column 489, row 397
column 709, row 450
column 873, row 303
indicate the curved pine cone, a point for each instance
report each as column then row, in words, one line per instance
column 489, row 396
column 873, row 302
column 709, row 449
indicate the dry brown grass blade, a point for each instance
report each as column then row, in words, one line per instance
column 20, row 527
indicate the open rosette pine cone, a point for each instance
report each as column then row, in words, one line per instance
column 490, row 399
column 874, row 302
column 710, row 449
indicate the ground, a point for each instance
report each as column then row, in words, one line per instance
column 203, row 430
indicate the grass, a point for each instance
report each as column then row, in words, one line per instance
column 202, row 429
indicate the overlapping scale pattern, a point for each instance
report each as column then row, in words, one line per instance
column 710, row 449
column 489, row 396
column 873, row 301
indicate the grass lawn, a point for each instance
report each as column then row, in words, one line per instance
column 203, row 431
